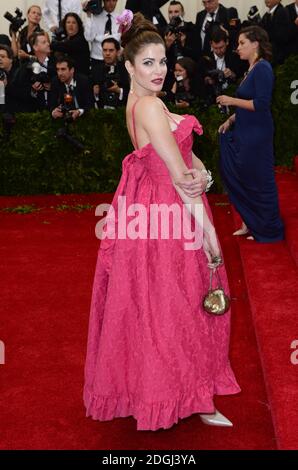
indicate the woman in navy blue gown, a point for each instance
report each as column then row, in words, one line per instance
column 247, row 158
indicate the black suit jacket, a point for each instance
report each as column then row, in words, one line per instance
column 149, row 8
column 99, row 77
column 223, row 17
column 232, row 61
column 11, row 103
column 26, row 101
column 82, row 92
column 78, row 49
column 293, row 41
column 278, row 28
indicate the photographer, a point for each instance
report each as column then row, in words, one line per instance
column 8, row 70
column 71, row 95
column 179, row 35
column 55, row 10
column 24, row 49
column 74, row 43
column 221, row 67
column 35, row 75
column 187, row 86
column 209, row 19
column 110, row 78
column 98, row 28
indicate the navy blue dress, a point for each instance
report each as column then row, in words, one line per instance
column 247, row 158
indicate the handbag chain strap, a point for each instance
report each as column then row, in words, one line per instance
column 212, row 271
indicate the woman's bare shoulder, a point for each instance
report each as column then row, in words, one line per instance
column 150, row 107
column 149, row 102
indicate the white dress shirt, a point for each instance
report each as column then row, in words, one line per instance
column 71, row 86
column 273, row 9
column 95, row 32
column 221, row 65
column 50, row 11
column 207, row 18
column 44, row 68
column 220, row 62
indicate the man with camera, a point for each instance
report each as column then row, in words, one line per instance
column 110, row 78
column 35, row 75
column 222, row 66
column 55, row 10
column 213, row 15
column 98, row 28
column 71, row 95
column 179, row 34
column 8, row 70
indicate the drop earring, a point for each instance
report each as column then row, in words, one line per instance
column 131, row 85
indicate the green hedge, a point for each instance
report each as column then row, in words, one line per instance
column 34, row 161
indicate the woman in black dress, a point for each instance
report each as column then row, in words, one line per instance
column 74, row 44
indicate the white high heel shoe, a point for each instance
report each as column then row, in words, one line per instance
column 216, row 419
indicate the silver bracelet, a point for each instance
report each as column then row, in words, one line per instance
column 209, row 179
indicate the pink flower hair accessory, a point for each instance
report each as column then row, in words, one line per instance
column 124, row 20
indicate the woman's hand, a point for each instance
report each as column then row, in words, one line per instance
column 225, row 100
column 211, row 248
column 197, row 186
column 23, row 55
column 225, row 126
column 182, row 104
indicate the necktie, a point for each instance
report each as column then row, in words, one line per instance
column 59, row 11
column 108, row 27
column 212, row 14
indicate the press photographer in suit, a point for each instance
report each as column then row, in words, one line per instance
column 213, row 14
column 110, row 77
column 35, row 76
column 179, row 35
column 71, row 92
column 221, row 67
column 8, row 70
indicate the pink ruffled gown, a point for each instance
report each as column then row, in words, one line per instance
column 153, row 353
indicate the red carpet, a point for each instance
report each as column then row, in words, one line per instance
column 271, row 277
column 47, row 264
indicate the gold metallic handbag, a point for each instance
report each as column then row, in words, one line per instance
column 216, row 302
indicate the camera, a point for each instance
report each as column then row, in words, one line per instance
column 219, row 85
column 110, row 99
column 66, row 107
column 94, row 7
column 181, row 93
column 38, row 73
column 59, row 34
column 176, row 26
column 16, row 21
column 253, row 15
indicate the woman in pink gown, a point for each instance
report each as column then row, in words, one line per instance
column 153, row 352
